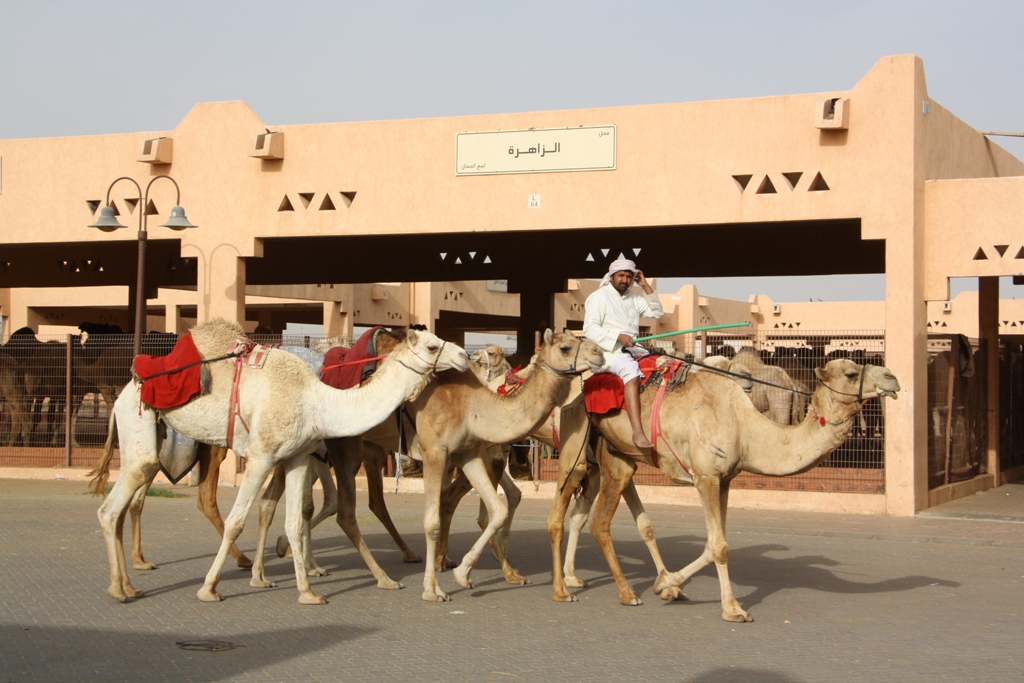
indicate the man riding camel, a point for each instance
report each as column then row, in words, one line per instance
column 612, row 321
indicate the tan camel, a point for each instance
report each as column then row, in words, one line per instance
column 579, row 468
column 285, row 414
column 711, row 433
column 459, row 415
column 785, row 402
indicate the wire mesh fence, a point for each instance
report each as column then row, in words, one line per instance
column 41, row 376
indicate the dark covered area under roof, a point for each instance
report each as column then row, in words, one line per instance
column 529, row 260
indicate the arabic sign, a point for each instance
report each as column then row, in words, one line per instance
column 544, row 150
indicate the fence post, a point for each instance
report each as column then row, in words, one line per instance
column 67, row 404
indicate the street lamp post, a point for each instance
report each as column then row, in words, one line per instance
column 107, row 222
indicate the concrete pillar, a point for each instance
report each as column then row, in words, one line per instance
column 988, row 331
column 536, row 311
column 906, row 354
column 336, row 321
column 222, row 290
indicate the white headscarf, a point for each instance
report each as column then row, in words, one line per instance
column 616, row 266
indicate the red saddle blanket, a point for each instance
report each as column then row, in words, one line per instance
column 603, row 392
column 172, row 380
column 342, row 369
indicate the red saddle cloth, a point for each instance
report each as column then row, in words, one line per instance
column 603, row 392
column 179, row 385
column 348, row 376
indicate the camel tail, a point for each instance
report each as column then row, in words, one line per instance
column 101, row 473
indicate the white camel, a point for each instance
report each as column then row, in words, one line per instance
column 285, row 414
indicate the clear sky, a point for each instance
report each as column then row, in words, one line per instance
column 81, row 68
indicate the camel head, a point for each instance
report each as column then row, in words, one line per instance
column 489, row 362
column 432, row 354
column 736, row 367
column 564, row 353
column 851, row 382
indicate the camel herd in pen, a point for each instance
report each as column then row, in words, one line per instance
column 458, row 425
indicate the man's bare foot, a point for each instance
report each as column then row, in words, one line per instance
column 640, row 440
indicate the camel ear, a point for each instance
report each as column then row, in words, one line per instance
column 548, row 336
column 820, row 374
column 410, row 336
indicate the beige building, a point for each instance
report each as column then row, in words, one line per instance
column 879, row 178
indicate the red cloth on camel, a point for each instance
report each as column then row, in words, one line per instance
column 603, row 392
column 347, row 376
column 174, row 389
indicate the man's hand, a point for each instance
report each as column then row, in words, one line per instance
column 626, row 340
column 642, row 281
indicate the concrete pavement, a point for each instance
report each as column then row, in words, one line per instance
column 835, row 597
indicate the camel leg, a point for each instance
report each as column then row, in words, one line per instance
column 373, row 465
column 716, row 550
column 298, row 484
column 256, row 471
column 499, row 542
column 135, row 510
column 434, row 464
column 136, row 473
column 451, row 496
column 577, row 520
column 615, row 475
column 268, row 506
column 210, row 459
column 497, row 511
column 321, row 471
column 344, row 455
column 646, row 531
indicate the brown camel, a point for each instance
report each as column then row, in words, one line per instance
column 457, row 416
column 711, row 432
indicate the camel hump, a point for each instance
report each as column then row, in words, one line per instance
column 214, row 337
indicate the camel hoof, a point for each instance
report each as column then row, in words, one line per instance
column 412, row 559
column 670, row 594
column 737, row 617
column 462, row 576
column 282, row 546
column 117, row 594
column 208, row 595
column 143, row 566
column 575, row 582
column 316, row 571
column 261, row 583
column 632, row 602
column 389, row 584
column 567, row 597
column 517, row 580
column 244, row 562
column 447, row 563
column 431, row 596
column 312, row 599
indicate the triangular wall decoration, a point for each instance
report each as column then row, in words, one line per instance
column 980, row 255
column 818, row 184
column 151, row 209
column 327, row 204
column 766, row 186
column 286, row 205
column 1001, row 248
column 742, row 181
column 793, row 178
column 306, row 198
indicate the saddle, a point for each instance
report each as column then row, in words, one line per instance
column 341, row 367
column 172, row 380
column 604, row 392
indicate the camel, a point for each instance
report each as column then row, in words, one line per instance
column 580, row 468
column 710, row 433
column 285, row 413
column 16, row 402
column 458, row 415
column 786, row 401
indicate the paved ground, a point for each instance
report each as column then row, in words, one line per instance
column 835, row 598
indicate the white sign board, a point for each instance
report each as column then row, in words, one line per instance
column 543, row 150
